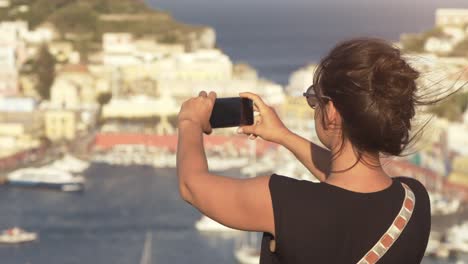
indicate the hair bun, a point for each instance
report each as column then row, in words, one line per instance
column 393, row 78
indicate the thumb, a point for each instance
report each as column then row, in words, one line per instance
column 207, row 129
column 248, row 130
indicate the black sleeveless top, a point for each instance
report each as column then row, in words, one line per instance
column 323, row 223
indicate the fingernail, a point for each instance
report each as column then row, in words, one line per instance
column 251, row 137
column 240, row 130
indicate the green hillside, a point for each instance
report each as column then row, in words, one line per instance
column 88, row 19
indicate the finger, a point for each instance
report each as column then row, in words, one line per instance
column 247, row 130
column 208, row 130
column 252, row 137
column 212, row 96
column 256, row 99
column 255, row 107
column 203, row 94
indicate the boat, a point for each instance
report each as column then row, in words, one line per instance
column 147, row 247
column 70, row 164
column 247, row 255
column 16, row 235
column 247, row 251
column 206, row 224
column 442, row 205
column 457, row 237
column 46, row 177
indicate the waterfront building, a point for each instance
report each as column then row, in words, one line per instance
column 141, row 111
column 243, row 71
column 20, row 129
column 451, row 17
column 61, row 124
column 459, row 172
column 73, row 87
column 8, row 81
column 300, row 80
column 298, row 116
column 439, row 45
column 18, row 104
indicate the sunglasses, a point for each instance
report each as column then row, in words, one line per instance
column 312, row 98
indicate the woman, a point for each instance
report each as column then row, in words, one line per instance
column 364, row 96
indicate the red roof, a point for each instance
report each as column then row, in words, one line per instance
column 80, row 68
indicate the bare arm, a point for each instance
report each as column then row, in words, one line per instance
column 270, row 128
column 315, row 158
column 238, row 203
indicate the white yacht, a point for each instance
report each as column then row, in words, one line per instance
column 457, row 237
column 206, row 224
column 16, row 235
column 442, row 205
column 47, row 178
column 247, row 255
column 70, row 164
column 247, row 251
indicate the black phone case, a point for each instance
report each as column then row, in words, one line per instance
column 232, row 112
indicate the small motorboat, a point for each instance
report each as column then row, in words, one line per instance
column 17, row 235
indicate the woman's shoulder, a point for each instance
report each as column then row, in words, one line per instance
column 292, row 186
column 414, row 184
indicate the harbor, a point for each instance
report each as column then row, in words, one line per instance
column 125, row 206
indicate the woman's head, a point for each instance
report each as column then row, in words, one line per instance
column 369, row 90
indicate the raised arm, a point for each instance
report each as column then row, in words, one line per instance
column 269, row 127
column 238, row 203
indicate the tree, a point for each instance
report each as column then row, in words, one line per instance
column 452, row 108
column 103, row 99
column 44, row 67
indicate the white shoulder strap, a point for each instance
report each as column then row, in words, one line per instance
column 394, row 231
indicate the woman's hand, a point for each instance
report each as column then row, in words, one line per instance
column 198, row 110
column 267, row 124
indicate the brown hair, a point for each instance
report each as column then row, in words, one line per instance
column 374, row 89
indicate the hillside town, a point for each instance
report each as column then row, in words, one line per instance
column 134, row 85
column 67, row 100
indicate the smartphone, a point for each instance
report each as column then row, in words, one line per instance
column 232, row 112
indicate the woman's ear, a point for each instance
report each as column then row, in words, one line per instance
column 333, row 116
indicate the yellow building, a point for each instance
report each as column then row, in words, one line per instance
column 298, row 116
column 20, row 130
column 61, row 124
column 459, row 171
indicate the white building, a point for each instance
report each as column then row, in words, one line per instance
column 118, row 49
column 73, row 88
column 451, row 17
column 4, row 3
column 44, row 33
column 300, row 80
column 457, row 138
column 8, row 81
column 18, row 104
column 439, row 45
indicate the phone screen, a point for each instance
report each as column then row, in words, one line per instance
column 232, row 112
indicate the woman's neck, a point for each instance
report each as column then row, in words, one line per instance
column 364, row 175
